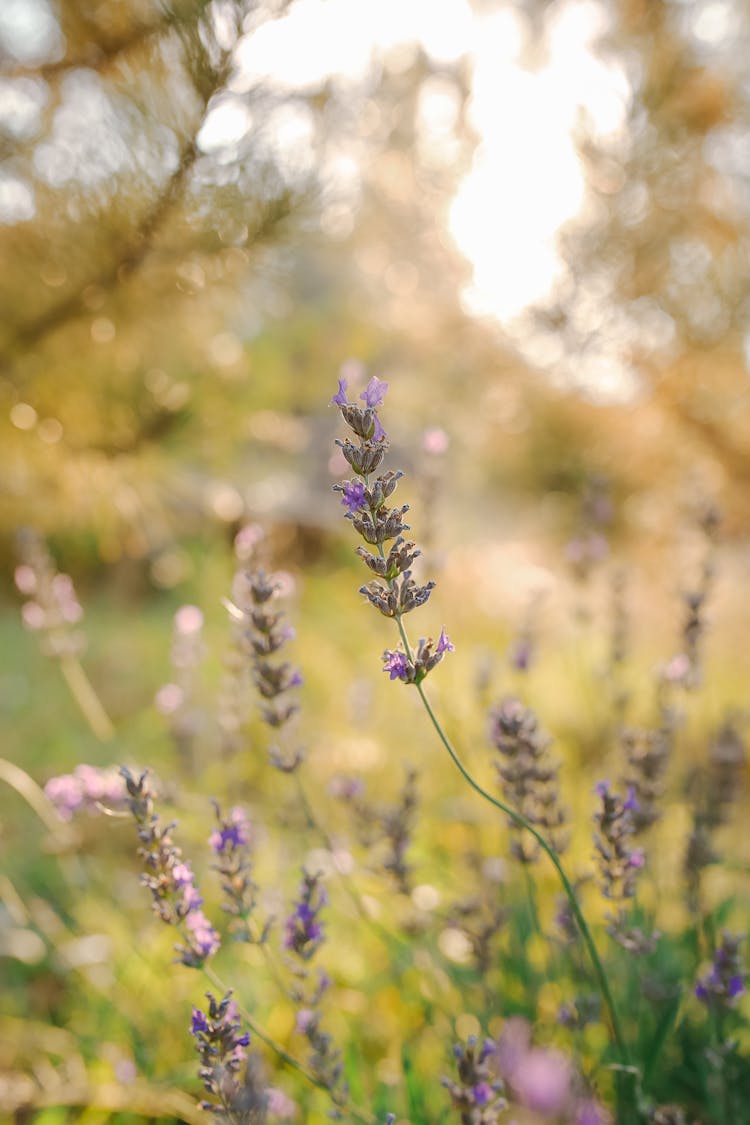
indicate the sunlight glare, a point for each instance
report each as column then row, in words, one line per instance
column 526, row 180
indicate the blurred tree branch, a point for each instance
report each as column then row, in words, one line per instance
column 99, row 55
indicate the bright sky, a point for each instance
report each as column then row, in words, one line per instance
column 527, row 181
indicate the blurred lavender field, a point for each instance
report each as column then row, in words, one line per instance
column 226, row 226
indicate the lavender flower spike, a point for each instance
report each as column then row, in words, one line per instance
column 303, row 932
column 725, row 980
column 174, row 896
column 222, row 1050
column 398, row 592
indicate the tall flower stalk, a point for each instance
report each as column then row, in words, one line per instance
column 395, row 593
column 175, row 898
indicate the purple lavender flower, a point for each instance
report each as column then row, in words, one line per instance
column 221, row 1045
column 397, row 593
column 618, row 864
column 478, row 1093
column 280, row 1104
column 303, row 936
column 528, row 775
column 340, row 399
column 396, row 663
column 232, row 833
column 232, row 842
column 303, row 931
column 305, row 1020
column 259, row 634
column 542, row 1081
column 444, row 644
column 89, row 788
column 725, row 980
column 204, row 939
column 54, row 609
column 735, row 987
column 483, row 1093
column 616, row 858
column 374, row 393
column 630, row 804
column 169, row 878
column 182, row 875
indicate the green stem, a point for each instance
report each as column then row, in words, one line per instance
column 85, row 696
column 531, row 900
column 38, row 800
column 521, row 821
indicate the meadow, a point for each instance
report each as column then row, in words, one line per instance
column 552, row 931
column 375, row 448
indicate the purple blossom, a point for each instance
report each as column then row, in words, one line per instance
column 204, row 939
column 305, row 1019
column 482, row 1093
column 339, row 399
column 477, row 1094
column 233, row 833
column 444, row 644
column 303, row 932
column 395, row 663
column 302, row 927
column 280, row 1104
column 374, row 392
column 602, row 789
column 221, row 1045
column 542, row 1080
column 169, row 878
column 735, row 987
column 725, row 980
column 182, row 875
column 191, row 899
column 88, row 787
column 353, row 495
column 631, row 801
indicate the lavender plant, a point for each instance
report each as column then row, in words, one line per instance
column 259, row 633
column 528, row 777
column 174, row 896
column 397, row 594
